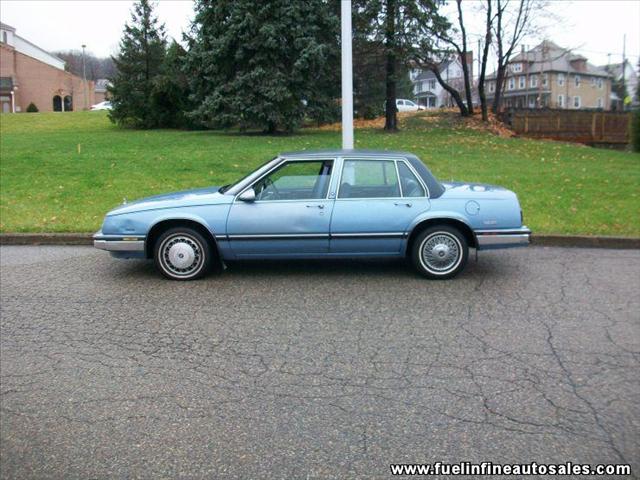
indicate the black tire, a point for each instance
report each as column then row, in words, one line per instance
column 175, row 247
column 447, row 256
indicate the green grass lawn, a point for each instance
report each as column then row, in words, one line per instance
column 61, row 172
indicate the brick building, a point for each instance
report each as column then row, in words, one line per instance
column 30, row 74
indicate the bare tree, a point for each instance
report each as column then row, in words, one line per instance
column 512, row 23
column 485, row 55
column 440, row 47
column 462, row 52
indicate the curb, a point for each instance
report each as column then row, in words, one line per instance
column 46, row 239
column 574, row 241
column 583, row 241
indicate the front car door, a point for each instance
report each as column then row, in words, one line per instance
column 376, row 202
column 290, row 214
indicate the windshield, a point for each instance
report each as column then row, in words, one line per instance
column 225, row 188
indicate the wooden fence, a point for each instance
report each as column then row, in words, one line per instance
column 580, row 126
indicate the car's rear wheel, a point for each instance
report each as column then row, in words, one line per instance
column 182, row 253
column 440, row 252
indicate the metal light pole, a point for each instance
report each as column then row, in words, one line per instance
column 347, row 77
column 84, row 78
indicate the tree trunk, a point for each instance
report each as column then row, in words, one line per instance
column 272, row 128
column 500, row 78
column 452, row 91
column 463, row 60
column 483, row 68
column 391, row 119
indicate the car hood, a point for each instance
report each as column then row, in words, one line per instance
column 200, row 196
column 465, row 190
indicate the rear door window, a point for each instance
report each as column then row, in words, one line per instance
column 369, row 179
column 411, row 186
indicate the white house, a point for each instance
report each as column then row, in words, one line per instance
column 429, row 93
column 617, row 70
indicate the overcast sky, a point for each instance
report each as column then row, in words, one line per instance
column 594, row 28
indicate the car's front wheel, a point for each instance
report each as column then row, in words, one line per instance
column 440, row 252
column 182, row 253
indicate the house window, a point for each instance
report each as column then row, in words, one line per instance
column 599, row 83
column 423, row 86
column 576, row 102
column 577, row 80
column 533, row 81
column 522, row 81
column 532, row 102
column 545, row 80
column 599, row 104
column 517, row 67
column 593, row 81
column 492, row 87
column 432, row 84
column 512, row 83
column 560, row 101
column 4, row 37
column 561, row 79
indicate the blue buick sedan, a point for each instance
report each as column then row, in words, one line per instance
column 322, row 204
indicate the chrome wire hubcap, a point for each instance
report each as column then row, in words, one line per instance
column 441, row 252
column 181, row 255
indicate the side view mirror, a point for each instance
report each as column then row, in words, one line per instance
column 248, row 195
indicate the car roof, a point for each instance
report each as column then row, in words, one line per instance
column 347, row 153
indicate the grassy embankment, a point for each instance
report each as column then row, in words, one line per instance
column 62, row 172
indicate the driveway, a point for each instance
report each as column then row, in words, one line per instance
column 316, row 370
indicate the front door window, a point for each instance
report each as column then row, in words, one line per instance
column 296, row 181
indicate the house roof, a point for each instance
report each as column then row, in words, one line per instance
column 615, row 69
column 429, row 75
column 4, row 26
column 549, row 57
column 102, row 84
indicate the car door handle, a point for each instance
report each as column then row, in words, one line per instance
column 400, row 204
column 315, row 206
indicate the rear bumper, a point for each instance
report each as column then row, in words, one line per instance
column 119, row 243
column 506, row 238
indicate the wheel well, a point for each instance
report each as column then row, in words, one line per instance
column 463, row 227
column 161, row 227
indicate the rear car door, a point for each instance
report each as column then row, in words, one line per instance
column 372, row 212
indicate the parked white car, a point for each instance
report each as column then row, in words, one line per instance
column 101, row 106
column 404, row 105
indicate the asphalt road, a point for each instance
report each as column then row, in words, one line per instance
column 315, row 370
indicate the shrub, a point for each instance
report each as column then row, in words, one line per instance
column 32, row 108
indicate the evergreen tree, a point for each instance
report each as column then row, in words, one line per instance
column 139, row 62
column 264, row 64
column 399, row 29
column 170, row 92
column 369, row 78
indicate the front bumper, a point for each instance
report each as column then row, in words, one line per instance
column 119, row 243
column 506, row 238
